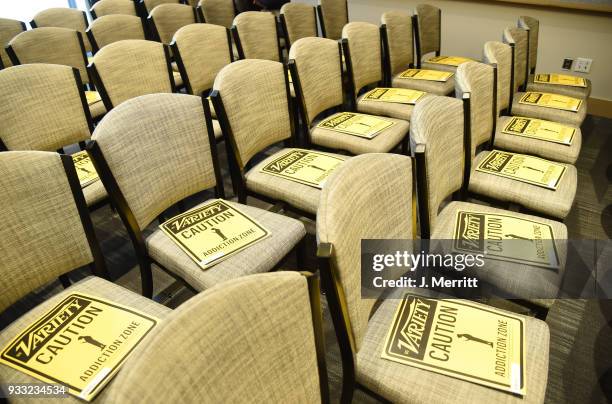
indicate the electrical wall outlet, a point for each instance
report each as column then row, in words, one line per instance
column 583, row 65
column 567, row 63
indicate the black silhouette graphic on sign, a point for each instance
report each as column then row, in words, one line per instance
column 517, row 237
column 90, row 340
column 219, row 233
column 468, row 337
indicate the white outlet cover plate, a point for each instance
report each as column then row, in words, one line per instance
column 583, row 65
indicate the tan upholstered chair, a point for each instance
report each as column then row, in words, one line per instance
column 63, row 17
column 166, row 19
column 131, row 150
column 519, row 37
column 397, row 42
column 256, row 37
column 317, row 73
column 298, row 20
column 333, row 15
column 112, row 28
column 149, row 5
column 111, row 7
column 8, row 30
column 218, row 12
column 57, row 113
column 274, row 320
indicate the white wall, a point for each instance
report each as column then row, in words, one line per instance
column 24, row 10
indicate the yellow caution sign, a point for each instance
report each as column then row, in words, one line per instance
column 425, row 74
column 304, row 166
column 355, row 124
column 540, row 129
column 79, row 343
column 84, row 168
column 92, row 97
column 548, row 100
column 213, row 232
column 530, row 242
column 524, row 168
column 394, row 95
column 449, row 60
column 460, row 339
column 560, row 79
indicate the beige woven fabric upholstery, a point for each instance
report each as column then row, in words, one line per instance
column 549, row 114
column 345, row 218
column 437, row 123
column 533, row 26
column 168, row 18
column 151, row 4
column 365, row 52
column 388, row 109
column 94, row 193
column 335, row 16
column 110, row 7
column 518, row 36
column 319, row 69
column 261, row 257
column 301, row 21
column 428, row 17
column 537, row 147
column 570, row 91
column 42, row 234
column 249, row 340
column 50, row 95
column 198, row 42
column 552, row 203
column 51, row 45
column 500, row 54
column 130, row 68
column 218, row 12
column 8, row 29
column 257, row 32
column 116, row 27
column 399, row 36
column 64, row 17
column 255, row 100
column 437, row 66
column 432, row 87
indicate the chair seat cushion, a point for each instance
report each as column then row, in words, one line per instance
column 384, row 142
column 261, row 257
column 94, row 193
column 554, row 203
column 570, row 91
column 549, row 114
column 436, row 66
column 400, row 383
column 97, row 109
column 429, row 86
column 390, row 109
column 526, row 281
column 178, row 80
column 548, row 150
column 217, row 129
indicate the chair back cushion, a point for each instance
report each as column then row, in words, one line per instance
column 168, row 18
column 500, row 54
column 533, row 25
column 365, row 51
column 116, row 27
column 399, row 38
column 257, row 32
column 8, row 30
column 64, row 17
column 218, row 12
column 518, row 36
column 335, row 16
column 151, row 4
column 300, row 20
column 112, row 7
column 428, row 17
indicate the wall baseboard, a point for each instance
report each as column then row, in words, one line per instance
column 599, row 107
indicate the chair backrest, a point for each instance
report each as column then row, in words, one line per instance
column 43, row 107
column 256, row 36
column 129, row 68
column 364, row 59
column 63, row 17
column 60, row 46
column 299, row 21
column 151, row 4
column 319, row 72
column 255, row 101
column 437, row 126
column 518, row 37
column 157, row 150
column 429, row 28
column 46, row 229
column 168, row 18
column 344, row 218
column 333, row 15
column 201, row 42
column 500, row 54
column 112, row 28
column 218, row 12
column 111, row 7
column 400, row 52
column 271, row 319
column 533, row 26
column 8, row 30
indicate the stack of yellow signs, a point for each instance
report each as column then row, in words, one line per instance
column 355, row 124
column 213, row 232
column 84, row 168
column 506, row 238
column 80, row 343
column 92, row 97
column 449, row 60
column 424, row 74
column 460, row 339
column 524, row 168
column 548, row 100
column 560, row 79
column 540, row 129
column 304, row 166
column 394, row 95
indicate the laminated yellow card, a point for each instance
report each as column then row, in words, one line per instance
column 460, row 339
column 560, row 79
column 506, row 238
column 80, row 343
column 84, row 168
column 351, row 123
column 524, row 168
column 540, row 129
column 92, row 97
column 395, row 95
column 548, row 100
column 449, row 60
column 304, row 166
column 424, row 74
column 213, row 232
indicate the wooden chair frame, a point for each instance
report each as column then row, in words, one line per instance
column 417, row 38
